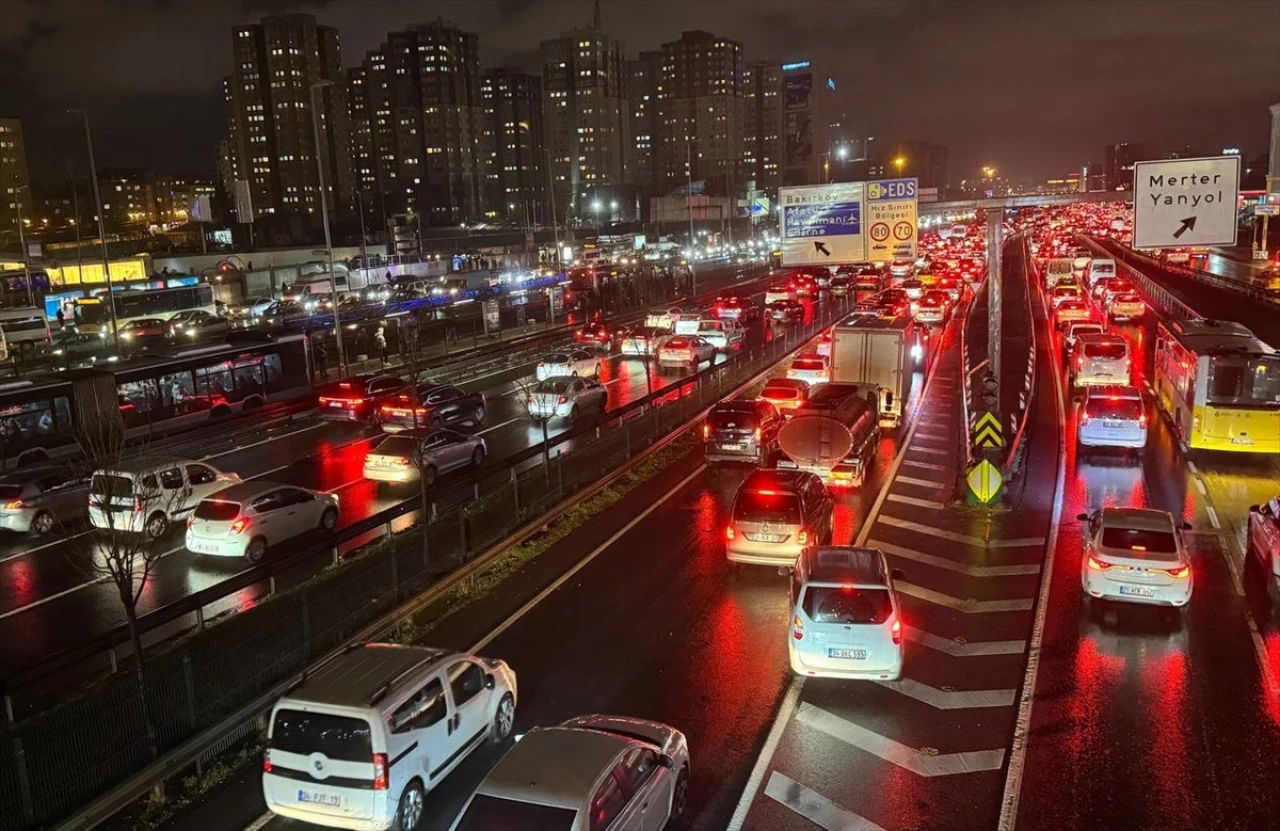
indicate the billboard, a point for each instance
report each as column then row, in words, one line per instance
column 798, row 92
column 798, row 146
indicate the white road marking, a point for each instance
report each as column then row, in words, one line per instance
column 951, row 565
column 1017, row 542
column 951, row 699
column 24, row 552
column 907, row 758
column 1213, row 517
column 815, row 807
column 261, row 822
column 319, row 423
column 962, row 604
column 919, row 503
column 1200, row 486
column 925, row 465
column 497, row 426
column 935, row 451
column 789, row 703
column 76, row 588
column 924, row 483
column 963, row 649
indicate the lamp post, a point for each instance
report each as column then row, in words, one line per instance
column 324, row 213
column 22, row 241
column 102, row 229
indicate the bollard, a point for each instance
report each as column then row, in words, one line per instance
column 200, row 616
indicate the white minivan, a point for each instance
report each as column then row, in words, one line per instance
column 358, row 742
column 1100, row 359
column 846, row 621
column 148, row 496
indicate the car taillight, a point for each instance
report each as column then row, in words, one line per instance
column 266, row 760
column 803, row 537
column 564, row 399
column 1142, row 421
column 1098, row 565
column 896, row 631
column 137, row 505
column 706, row 431
column 15, row 505
column 239, row 525
column 379, row 771
column 798, row 631
column 758, row 435
column 530, row 398
column 1178, row 573
column 728, row 533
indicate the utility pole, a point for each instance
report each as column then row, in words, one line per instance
column 324, row 212
column 688, row 201
column 22, row 241
column 75, row 220
column 102, row 228
column 555, row 220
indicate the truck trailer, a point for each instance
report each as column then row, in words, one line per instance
column 879, row 354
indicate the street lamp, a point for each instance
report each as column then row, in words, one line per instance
column 324, row 212
column 899, row 162
column 989, row 172
column 842, row 152
column 102, row 229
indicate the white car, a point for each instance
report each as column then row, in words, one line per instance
column 591, row 772
column 784, row 291
column 1136, row 555
column 846, row 621
column 1113, row 416
column 902, row 268
column 566, row 397
column 686, row 350
column 572, row 362
column 245, row 519
column 149, row 496
column 811, row 368
column 645, row 341
column 722, row 334
column 1126, row 306
column 1075, row 328
column 1064, row 291
column 1100, row 359
column 360, row 740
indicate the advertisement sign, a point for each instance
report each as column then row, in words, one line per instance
column 799, row 90
column 798, row 147
column 244, row 202
column 822, row 224
column 891, row 219
column 492, row 317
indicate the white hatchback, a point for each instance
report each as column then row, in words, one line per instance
column 812, row 368
column 245, row 519
column 1136, row 555
column 572, row 362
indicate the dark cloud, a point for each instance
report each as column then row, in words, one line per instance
column 1034, row 87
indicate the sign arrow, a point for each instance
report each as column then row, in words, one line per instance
column 822, row 246
column 1188, row 224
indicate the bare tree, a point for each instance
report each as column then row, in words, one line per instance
column 526, row 388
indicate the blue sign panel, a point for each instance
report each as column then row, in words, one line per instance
column 887, row 189
column 832, row 220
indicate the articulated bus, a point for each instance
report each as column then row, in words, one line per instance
column 41, row 415
column 93, row 317
column 1219, row 385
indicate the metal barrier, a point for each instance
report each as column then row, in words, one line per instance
column 1154, row 294
column 59, row 759
column 1025, row 397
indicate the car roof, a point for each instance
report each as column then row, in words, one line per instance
column 1113, row 391
column 1144, row 519
column 1101, row 337
column 735, row 404
column 776, row 479
column 243, row 491
column 554, row 766
column 841, row 564
column 151, row 465
column 357, row 676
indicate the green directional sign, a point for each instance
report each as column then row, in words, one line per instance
column 987, row 432
column 985, row 480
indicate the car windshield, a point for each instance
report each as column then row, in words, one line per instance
column 401, row 446
column 553, row 387
column 1126, row 409
column 760, row 506
column 845, row 604
column 341, row 738
column 1139, row 540
column 1106, row 351
column 733, row 417
column 558, row 358
column 492, row 813
column 217, row 510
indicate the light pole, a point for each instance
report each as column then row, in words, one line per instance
column 364, row 243
column 102, row 228
column 324, row 213
column 555, row 221
column 688, row 201
column 22, row 241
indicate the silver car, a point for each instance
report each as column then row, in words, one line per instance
column 645, row 341
column 396, row 458
column 623, row 774
column 566, row 397
column 41, row 501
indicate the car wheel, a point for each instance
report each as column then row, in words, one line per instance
column 409, row 811
column 329, row 519
column 574, row 373
column 477, row 457
column 429, row 475
column 157, row 525
column 504, row 718
column 43, row 523
column 255, row 550
column 680, row 796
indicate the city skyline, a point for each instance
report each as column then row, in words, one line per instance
column 155, row 92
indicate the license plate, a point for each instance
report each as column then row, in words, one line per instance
column 1241, row 440
column 336, row 404
column 731, row 447
column 766, row 537
column 1111, row 425
column 313, row 798
column 854, row 654
column 1137, row 591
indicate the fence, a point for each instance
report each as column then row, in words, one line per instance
column 56, row 761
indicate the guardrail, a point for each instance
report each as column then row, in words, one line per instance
column 1155, row 294
column 117, row 726
column 1031, row 272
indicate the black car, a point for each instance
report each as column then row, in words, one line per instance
column 358, row 397
column 438, row 405
column 786, row 311
column 741, row 431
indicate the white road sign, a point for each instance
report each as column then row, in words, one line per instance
column 822, row 224
column 1185, row 203
column 891, row 219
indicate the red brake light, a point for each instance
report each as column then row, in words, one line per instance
column 896, row 631
column 266, row 761
column 767, row 493
column 564, row 399
column 798, row 632
column 1098, row 565
column 1178, row 573
column 728, row 532
column 379, row 771
column 239, row 525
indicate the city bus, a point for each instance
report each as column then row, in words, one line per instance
column 1219, row 386
column 93, row 316
column 40, row 416
column 19, row 325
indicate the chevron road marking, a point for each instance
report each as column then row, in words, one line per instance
column 815, row 807
column 952, row 565
column 1017, row 542
column 919, row 503
column 924, row 483
column 951, row 699
column 963, row 649
column 963, row 604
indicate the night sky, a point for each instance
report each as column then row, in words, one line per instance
column 1033, row 88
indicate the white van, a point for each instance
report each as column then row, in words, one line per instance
column 1100, row 359
column 148, row 496
column 723, row 334
column 1100, row 267
column 358, row 742
column 846, row 621
column 299, row 290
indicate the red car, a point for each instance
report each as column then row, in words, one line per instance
column 594, row 334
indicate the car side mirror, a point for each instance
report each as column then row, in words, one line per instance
column 666, row 761
column 785, row 571
column 489, row 681
column 1082, row 517
column 1253, row 509
column 898, row 574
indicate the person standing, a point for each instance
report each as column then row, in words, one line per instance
column 380, row 341
column 322, row 360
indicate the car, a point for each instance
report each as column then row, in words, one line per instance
column 952, row 287
column 841, row 283
column 777, row 515
column 893, row 303
column 1069, row 310
column 806, row 285
column 1100, row 359
column 595, row 335
column 869, row 277
column 810, row 367
column 245, row 519
column 590, row 772
column 141, row 329
column 1264, row 543
column 197, row 325
column 1176, row 256
column 741, row 431
column 423, row 454
column 785, row 393
column 686, row 350
column 933, row 308
column 1136, row 555
column 786, row 311
column 733, row 307
column 359, row 397
column 571, row 362
column 824, row 344
column 722, row 334
column 1112, row 415
column 147, row 496
column 254, row 307
column 1126, row 306
column 846, row 619
column 913, row 287
column 902, row 268
column 644, row 341
column 359, row 741
column 437, row 405
column 1063, row 292
column 42, row 500
column 566, row 397
column 780, row 291
column 1075, row 328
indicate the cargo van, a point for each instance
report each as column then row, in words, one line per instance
column 1099, row 268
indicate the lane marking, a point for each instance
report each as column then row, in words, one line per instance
column 814, row 807
column 924, row 483
column 26, row 551
column 968, row 605
column 952, row 565
column 497, row 426
column 261, row 822
column 907, row 758
column 951, row 699
column 95, row 581
column 1016, row 542
column 964, row 649
column 926, row 465
column 919, row 503
column 933, row 451
column 319, row 423
column 1200, row 486
column 1213, row 517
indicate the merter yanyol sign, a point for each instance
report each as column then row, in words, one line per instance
column 1185, row 203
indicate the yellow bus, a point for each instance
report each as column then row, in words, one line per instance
column 1219, row 385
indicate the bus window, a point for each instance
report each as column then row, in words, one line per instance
column 35, row 421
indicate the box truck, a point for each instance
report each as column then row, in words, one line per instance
column 879, row 354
